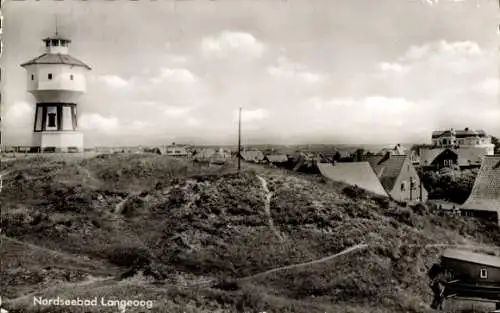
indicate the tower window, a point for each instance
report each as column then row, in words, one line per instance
column 52, row 120
column 50, row 76
column 71, row 76
column 55, row 42
column 32, row 77
column 484, row 273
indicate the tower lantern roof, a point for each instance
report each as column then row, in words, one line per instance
column 56, row 53
column 56, row 37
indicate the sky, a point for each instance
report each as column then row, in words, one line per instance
column 315, row 71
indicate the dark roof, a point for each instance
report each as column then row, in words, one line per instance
column 485, row 194
column 387, row 167
column 459, row 133
column 471, row 257
column 353, row 173
column 56, row 58
column 56, row 36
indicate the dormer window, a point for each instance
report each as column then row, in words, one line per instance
column 50, row 76
column 55, row 42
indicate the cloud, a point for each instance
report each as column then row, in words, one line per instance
column 193, row 121
column 175, row 111
column 175, row 75
column 138, row 125
column 489, row 86
column 228, row 43
column 458, row 57
column 98, row 122
column 285, row 69
column 20, row 110
column 436, row 2
column 113, row 81
column 393, row 68
column 252, row 115
column 364, row 118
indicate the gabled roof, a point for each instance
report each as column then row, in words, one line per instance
column 427, row 156
column 56, row 58
column 387, row 167
column 475, row 156
column 472, row 257
column 353, row 173
column 485, row 194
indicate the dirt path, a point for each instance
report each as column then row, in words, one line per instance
column 325, row 259
column 119, row 206
column 267, row 208
column 54, row 253
column 98, row 281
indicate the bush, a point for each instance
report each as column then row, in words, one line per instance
column 129, row 256
column 453, row 186
column 355, row 192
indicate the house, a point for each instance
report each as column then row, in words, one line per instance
column 466, row 138
column 439, row 158
column 398, row 176
column 358, row 174
column 396, row 150
column 470, row 146
column 212, row 155
column 254, row 156
column 276, row 158
column 472, row 276
column 472, row 267
column 484, row 199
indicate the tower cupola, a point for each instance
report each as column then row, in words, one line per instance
column 56, row 44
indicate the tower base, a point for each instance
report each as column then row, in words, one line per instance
column 58, row 141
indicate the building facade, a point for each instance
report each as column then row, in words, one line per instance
column 399, row 177
column 464, row 138
column 56, row 80
column 469, row 146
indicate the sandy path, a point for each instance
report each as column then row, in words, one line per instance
column 267, row 208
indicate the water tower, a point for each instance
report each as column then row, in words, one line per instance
column 56, row 80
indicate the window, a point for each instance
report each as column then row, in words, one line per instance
column 484, row 273
column 52, row 120
column 71, row 76
column 32, row 77
column 55, row 42
column 403, row 186
column 50, row 76
column 47, row 43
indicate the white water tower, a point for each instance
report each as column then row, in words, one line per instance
column 56, row 80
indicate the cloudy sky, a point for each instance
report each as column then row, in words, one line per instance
column 338, row 71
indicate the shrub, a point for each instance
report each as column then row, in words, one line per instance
column 453, row 186
column 129, row 256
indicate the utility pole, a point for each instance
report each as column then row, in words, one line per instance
column 421, row 178
column 239, row 140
